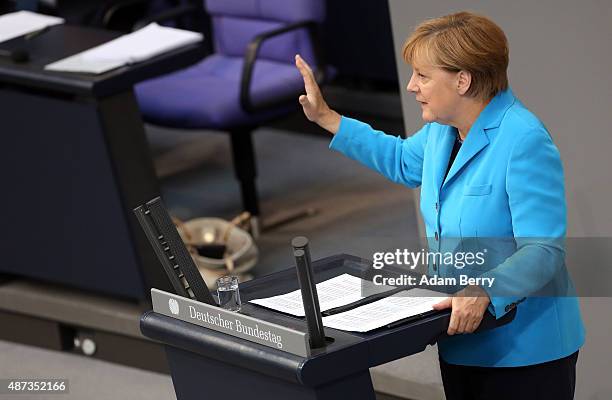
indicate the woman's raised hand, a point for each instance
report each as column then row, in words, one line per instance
column 314, row 106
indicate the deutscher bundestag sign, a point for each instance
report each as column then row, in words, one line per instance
column 231, row 323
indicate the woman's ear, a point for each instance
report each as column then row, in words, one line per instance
column 464, row 80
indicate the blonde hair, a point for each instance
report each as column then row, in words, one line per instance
column 463, row 41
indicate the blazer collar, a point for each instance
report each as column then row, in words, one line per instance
column 493, row 113
column 477, row 139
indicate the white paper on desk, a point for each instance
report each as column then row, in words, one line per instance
column 145, row 43
column 384, row 311
column 335, row 292
column 20, row 23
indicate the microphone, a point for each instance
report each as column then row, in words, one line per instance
column 310, row 299
column 18, row 56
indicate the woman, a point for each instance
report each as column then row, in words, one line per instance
column 487, row 167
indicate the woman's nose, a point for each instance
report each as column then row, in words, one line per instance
column 411, row 87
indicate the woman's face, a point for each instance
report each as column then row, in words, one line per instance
column 436, row 90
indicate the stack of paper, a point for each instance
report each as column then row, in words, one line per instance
column 336, row 292
column 20, row 23
column 405, row 304
column 141, row 45
column 346, row 289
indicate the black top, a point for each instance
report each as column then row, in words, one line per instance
column 453, row 155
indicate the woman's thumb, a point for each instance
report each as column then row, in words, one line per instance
column 303, row 99
column 446, row 303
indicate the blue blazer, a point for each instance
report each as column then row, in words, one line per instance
column 506, row 182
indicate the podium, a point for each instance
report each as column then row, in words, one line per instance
column 205, row 363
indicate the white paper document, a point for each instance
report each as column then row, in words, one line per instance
column 338, row 291
column 20, row 23
column 145, row 43
column 384, row 311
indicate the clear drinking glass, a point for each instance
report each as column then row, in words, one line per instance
column 228, row 293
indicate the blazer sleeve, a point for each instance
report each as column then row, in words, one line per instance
column 536, row 197
column 398, row 159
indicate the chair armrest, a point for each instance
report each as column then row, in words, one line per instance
column 251, row 55
column 109, row 12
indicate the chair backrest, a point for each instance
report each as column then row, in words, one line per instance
column 237, row 22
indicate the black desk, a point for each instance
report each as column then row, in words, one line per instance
column 75, row 163
column 209, row 364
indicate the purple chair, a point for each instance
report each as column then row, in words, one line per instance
column 248, row 80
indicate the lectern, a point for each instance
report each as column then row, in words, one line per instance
column 210, row 364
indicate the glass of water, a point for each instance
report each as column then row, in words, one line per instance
column 228, row 293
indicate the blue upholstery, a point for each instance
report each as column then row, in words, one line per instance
column 232, row 35
column 207, row 94
column 276, row 10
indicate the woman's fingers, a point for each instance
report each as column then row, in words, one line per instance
column 310, row 84
column 303, row 66
column 464, row 323
column 466, row 315
column 475, row 325
column 453, row 325
column 313, row 104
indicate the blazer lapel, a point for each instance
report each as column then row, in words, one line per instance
column 473, row 144
column 476, row 140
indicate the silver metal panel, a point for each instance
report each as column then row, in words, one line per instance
column 231, row 323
